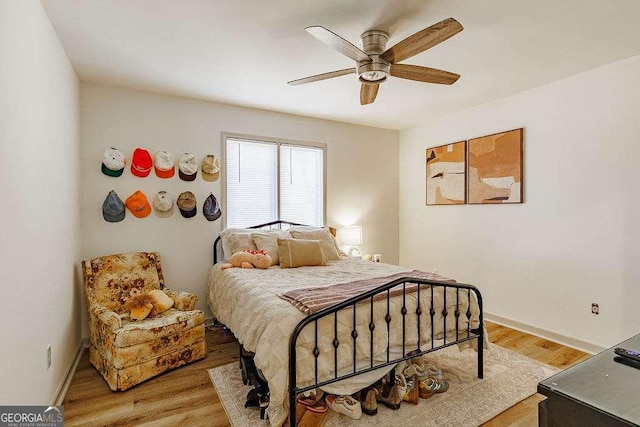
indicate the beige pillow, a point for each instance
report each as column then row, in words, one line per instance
column 236, row 240
column 329, row 246
column 300, row 253
column 268, row 242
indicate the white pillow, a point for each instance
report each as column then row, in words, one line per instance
column 327, row 241
column 267, row 241
column 236, row 240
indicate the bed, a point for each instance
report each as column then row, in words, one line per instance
column 363, row 320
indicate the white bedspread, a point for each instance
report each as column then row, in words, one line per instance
column 247, row 301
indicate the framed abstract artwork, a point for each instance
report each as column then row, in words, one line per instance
column 446, row 174
column 495, row 168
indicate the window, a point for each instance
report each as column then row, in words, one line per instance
column 267, row 180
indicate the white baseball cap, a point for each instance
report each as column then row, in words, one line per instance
column 163, row 164
column 162, row 204
column 112, row 162
column 188, row 167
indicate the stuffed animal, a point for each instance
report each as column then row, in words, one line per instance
column 248, row 259
column 142, row 306
column 161, row 302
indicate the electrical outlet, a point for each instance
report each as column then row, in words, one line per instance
column 48, row 356
column 595, row 308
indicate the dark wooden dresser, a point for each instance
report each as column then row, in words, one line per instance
column 596, row 392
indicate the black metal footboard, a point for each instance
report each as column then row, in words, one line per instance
column 425, row 321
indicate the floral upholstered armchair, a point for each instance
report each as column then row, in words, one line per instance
column 127, row 352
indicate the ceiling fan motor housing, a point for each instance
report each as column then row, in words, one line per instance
column 377, row 70
column 374, row 42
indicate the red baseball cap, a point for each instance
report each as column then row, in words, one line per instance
column 141, row 163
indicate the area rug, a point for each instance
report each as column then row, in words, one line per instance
column 509, row 377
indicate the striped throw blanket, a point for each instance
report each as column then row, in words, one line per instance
column 311, row 300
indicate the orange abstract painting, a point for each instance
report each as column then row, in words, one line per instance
column 446, row 182
column 495, row 168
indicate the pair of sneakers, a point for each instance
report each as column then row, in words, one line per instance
column 427, row 377
column 431, row 386
column 346, row 405
column 311, row 411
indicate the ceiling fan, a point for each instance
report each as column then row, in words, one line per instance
column 375, row 64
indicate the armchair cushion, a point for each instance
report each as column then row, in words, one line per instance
column 161, row 326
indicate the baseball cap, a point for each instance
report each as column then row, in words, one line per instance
column 141, row 163
column 211, row 208
column 188, row 167
column 112, row 162
column 138, row 204
column 187, row 204
column 113, row 208
column 162, row 204
column 163, row 164
column 210, row 168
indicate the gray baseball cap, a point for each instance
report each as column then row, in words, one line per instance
column 113, row 208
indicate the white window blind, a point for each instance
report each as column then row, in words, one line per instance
column 252, row 182
column 254, row 193
column 301, row 189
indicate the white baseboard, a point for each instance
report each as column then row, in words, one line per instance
column 585, row 346
column 62, row 389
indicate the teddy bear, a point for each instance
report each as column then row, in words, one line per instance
column 146, row 305
column 248, row 259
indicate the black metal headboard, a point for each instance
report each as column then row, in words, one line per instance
column 269, row 225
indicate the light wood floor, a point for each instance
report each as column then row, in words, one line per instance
column 186, row 397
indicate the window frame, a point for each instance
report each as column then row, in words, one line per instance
column 278, row 142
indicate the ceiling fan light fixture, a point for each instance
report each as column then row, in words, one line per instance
column 374, row 71
column 373, row 77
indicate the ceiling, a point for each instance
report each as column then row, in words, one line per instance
column 243, row 52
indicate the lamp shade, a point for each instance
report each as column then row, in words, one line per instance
column 351, row 236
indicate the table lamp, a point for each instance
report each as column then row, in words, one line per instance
column 351, row 237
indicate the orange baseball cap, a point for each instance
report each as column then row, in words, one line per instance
column 138, row 205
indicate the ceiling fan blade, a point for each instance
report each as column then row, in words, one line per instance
column 368, row 93
column 338, row 43
column 422, row 40
column 322, row 76
column 423, row 74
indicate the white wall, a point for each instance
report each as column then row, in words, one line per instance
column 575, row 239
column 40, row 148
column 362, row 175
